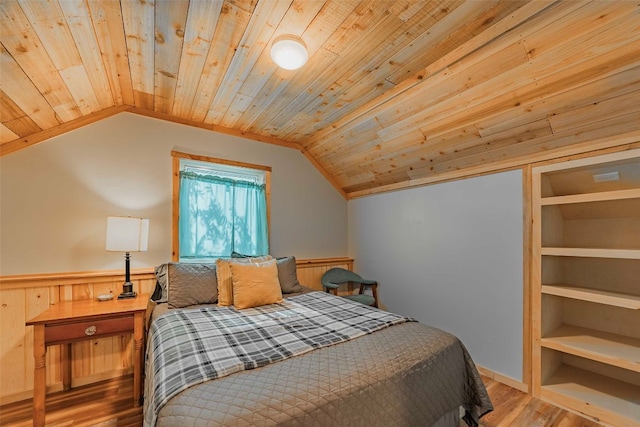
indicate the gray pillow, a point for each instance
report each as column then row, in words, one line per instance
column 235, row 254
column 191, row 283
column 161, row 292
column 287, row 275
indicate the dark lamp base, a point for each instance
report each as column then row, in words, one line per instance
column 127, row 290
column 126, row 295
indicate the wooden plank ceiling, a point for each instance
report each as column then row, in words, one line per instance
column 395, row 92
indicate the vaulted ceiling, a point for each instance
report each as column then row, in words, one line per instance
column 395, row 93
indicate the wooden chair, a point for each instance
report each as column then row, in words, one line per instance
column 333, row 278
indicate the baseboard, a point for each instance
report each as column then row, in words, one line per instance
column 518, row 385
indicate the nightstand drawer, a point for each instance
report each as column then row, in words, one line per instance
column 65, row 332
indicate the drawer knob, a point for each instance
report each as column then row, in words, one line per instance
column 90, row 331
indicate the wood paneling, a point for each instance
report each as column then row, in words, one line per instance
column 395, row 93
column 310, row 271
column 24, row 297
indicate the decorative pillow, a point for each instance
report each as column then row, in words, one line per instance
column 255, row 284
column 225, row 284
column 160, row 294
column 191, row 283
column 156, row 296
column 235, row 254
column 287, row 275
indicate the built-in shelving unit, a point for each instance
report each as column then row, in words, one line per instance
column 586, row 286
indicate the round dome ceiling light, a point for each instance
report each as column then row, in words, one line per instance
column 289, row 52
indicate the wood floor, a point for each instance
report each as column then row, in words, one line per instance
column 518, row 409
column 109, row 404
column 103, row 404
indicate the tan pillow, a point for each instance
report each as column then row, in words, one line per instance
column 225, row 285
column 255, row 284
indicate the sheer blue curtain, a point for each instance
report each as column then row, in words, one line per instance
column 221, row 215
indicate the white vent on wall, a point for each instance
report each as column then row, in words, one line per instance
column 609, row 176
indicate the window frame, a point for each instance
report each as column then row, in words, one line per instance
column 175, row 202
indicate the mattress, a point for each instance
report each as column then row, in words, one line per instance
column 409, row 374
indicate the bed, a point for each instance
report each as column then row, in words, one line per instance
column 320, row 360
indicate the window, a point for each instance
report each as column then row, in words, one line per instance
column 219, row 207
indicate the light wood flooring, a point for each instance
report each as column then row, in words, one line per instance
column 515, row 408
column 102, row 404
column 108, row 404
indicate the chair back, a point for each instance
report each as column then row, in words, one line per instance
column 337, row 275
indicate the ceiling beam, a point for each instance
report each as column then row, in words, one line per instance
column 18, row 144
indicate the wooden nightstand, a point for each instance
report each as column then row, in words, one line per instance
column 70, row 321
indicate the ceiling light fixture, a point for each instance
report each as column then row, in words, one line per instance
column 289, row 52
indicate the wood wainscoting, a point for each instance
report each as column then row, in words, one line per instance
column 310, row 271
column 25, row 296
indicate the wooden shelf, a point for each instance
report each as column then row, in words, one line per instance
column 592, row 252
column 591, row 197
column 612, row 401
column 612, row 349
column 593, row 295
column 587, row 233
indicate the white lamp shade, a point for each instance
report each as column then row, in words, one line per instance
column 289, row 52
column 126, row 234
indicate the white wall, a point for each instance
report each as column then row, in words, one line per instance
column 450, row 255
column 55, row 196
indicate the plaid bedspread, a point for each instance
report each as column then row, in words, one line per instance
column 190, row 346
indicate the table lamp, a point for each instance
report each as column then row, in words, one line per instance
column 127, row 234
